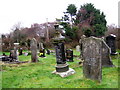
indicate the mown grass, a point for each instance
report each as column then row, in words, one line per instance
column 39, row 75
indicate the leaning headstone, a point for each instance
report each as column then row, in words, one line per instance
column 106, row 59
column 69, row 55
column 78, row 48
column 92, row 55
column 111, row 42
column 34, row 57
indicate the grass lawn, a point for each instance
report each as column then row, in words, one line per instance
column 39, row 75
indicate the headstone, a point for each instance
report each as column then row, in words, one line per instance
column 42, row 53
column 69, row 55
column 48, row 51
column 62, row 68
column 41, row 46
column 34, row 57
column 81, row 41
column 92, row 56
column 20, row 51
column 111, row 42
column 41, row 50
column 12, row 56
column 106, row 59
column 15, row 52
column 78, row 48
column 26, row 53
column 60, row 57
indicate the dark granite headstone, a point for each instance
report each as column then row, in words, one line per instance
column 34, row 57
column 111, row 42
column 60, row 57
column 20, row 51
column 92, row 56
column 69, row 55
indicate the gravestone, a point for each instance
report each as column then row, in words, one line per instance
column 62, row 68
column 15, row 52
column 92, row 56
column 41, row 50
column 12, row 56
column 69, row 55
column 42, row 53
column 48, row 51
column 80, row 41
column 111, row 42
column 41, row 46
column 106, row 59
column 20, row 51
column 78, row 48
column 33, row 47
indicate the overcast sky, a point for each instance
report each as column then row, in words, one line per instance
column 36, row 11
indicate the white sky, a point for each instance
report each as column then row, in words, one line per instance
column 36, row 11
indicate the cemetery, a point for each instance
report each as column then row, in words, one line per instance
column 67, row 55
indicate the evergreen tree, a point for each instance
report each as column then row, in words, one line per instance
column 92, row 16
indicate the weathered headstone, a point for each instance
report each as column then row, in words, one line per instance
column 69, row 55
column 78, row 48
column 34, row 57
column 15, row 53
column 41, row 50
column 41, row 46
column 106, row 59
column 42, row 53
column 80, row 41
column 111, row 42
column 92, row 56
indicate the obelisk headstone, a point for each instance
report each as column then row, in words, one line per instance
column 34, row 57
column 62, row 68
